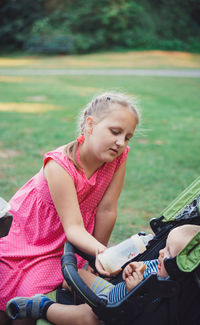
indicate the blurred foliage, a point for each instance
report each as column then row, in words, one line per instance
column 66, row 26
column 16, row 21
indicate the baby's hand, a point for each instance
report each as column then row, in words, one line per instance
column 133, row 280
column 132, row 267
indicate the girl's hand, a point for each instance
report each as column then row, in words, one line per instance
column 99, row 266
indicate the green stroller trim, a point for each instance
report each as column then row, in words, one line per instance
column 186, row 197
column 189, row 258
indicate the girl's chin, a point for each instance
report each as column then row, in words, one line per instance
column 108, row 158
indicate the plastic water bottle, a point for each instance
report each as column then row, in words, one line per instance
column 113, row 258
column 4, row 207
column 5, row 218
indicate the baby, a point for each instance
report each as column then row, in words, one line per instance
column 135, row 272
column 39, row 305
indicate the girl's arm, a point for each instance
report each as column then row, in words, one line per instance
column 64, row 196
column 107, row 210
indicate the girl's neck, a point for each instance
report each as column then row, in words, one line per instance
column 88, row 162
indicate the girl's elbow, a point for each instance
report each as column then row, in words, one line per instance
column 75, row 231
column 106, row 209
column 112, row 214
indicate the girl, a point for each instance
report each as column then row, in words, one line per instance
column 73, row 197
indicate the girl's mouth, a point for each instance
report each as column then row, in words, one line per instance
column 113, row 150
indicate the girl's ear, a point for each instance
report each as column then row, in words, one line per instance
column 89, row 124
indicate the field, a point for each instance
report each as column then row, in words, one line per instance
column 39, row 113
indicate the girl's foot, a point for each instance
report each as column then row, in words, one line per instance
column 32, row 307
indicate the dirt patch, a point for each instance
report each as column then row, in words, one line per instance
column 8, row 153
column 27, row 107
column 38, row 98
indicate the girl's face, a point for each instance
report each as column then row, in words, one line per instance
column 109, row 137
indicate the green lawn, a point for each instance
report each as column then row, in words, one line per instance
column 38, row 114
column 129, row 59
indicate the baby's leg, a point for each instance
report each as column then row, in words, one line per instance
column 97, row 284
column 87, row 277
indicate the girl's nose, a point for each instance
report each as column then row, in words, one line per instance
column 120, row 141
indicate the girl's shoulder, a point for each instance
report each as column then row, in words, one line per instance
column 57, row 153
column 59, row 156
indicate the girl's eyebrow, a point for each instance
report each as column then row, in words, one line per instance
column 120, row 129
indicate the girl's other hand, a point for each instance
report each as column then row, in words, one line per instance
column 66, row 286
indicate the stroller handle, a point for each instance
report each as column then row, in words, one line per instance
column 70, row 273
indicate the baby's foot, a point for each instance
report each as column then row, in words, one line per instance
column 32, row 307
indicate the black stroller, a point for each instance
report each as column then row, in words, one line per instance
column 167, row 301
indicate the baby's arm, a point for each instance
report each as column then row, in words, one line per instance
column 133, row 274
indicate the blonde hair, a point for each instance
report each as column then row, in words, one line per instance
column 189, row 231
column 99, row 107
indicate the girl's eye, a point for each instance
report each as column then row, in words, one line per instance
column 114, row 132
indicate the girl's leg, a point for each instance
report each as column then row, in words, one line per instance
column 40, row 306
column 71, row 315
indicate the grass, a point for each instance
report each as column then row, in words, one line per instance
column 130, row 59
column 39, row 114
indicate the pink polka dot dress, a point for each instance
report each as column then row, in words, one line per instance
column 30, row 254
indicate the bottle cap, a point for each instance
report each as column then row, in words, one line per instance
column 139, row 243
